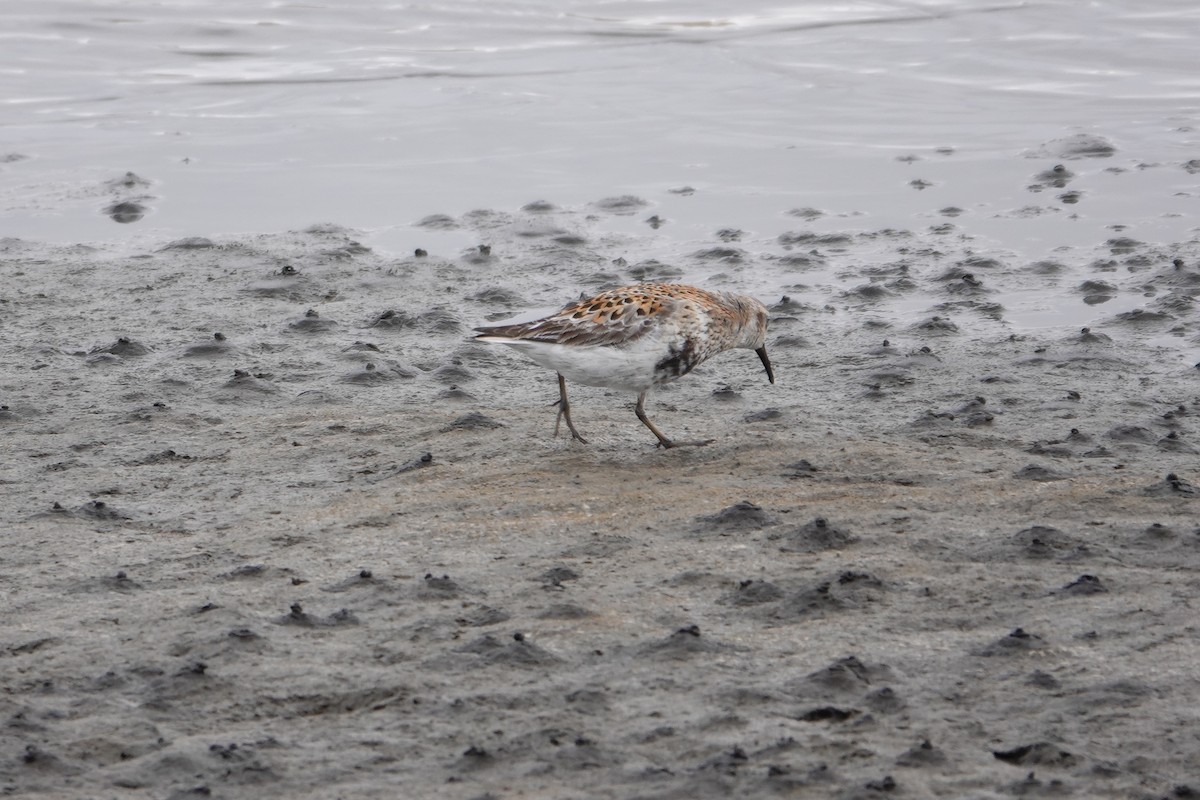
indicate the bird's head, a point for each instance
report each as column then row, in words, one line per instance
column 753, row 329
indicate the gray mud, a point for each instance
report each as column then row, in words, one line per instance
column 276, row 527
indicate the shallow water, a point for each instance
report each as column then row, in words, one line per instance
column 265, row 116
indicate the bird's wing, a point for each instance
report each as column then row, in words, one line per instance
column 611, row 319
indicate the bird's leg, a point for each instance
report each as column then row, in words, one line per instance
column 663, row 441
column 564, row 411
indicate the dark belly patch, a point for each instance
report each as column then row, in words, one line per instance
column 679, row 361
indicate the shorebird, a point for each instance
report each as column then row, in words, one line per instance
column 636, row 337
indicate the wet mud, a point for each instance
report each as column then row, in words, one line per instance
column 277, row 527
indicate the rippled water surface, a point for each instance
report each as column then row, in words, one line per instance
column 246, row 115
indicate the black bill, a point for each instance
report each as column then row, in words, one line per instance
column 762, row 354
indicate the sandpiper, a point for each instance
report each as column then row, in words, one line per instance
column 637, row 337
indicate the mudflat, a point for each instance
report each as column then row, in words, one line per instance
column 274, row 526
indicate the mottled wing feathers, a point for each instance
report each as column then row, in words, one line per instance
column 609, row 319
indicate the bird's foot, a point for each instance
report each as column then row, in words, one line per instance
column 562, row 414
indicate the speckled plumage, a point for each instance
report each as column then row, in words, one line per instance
column 637, row 337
